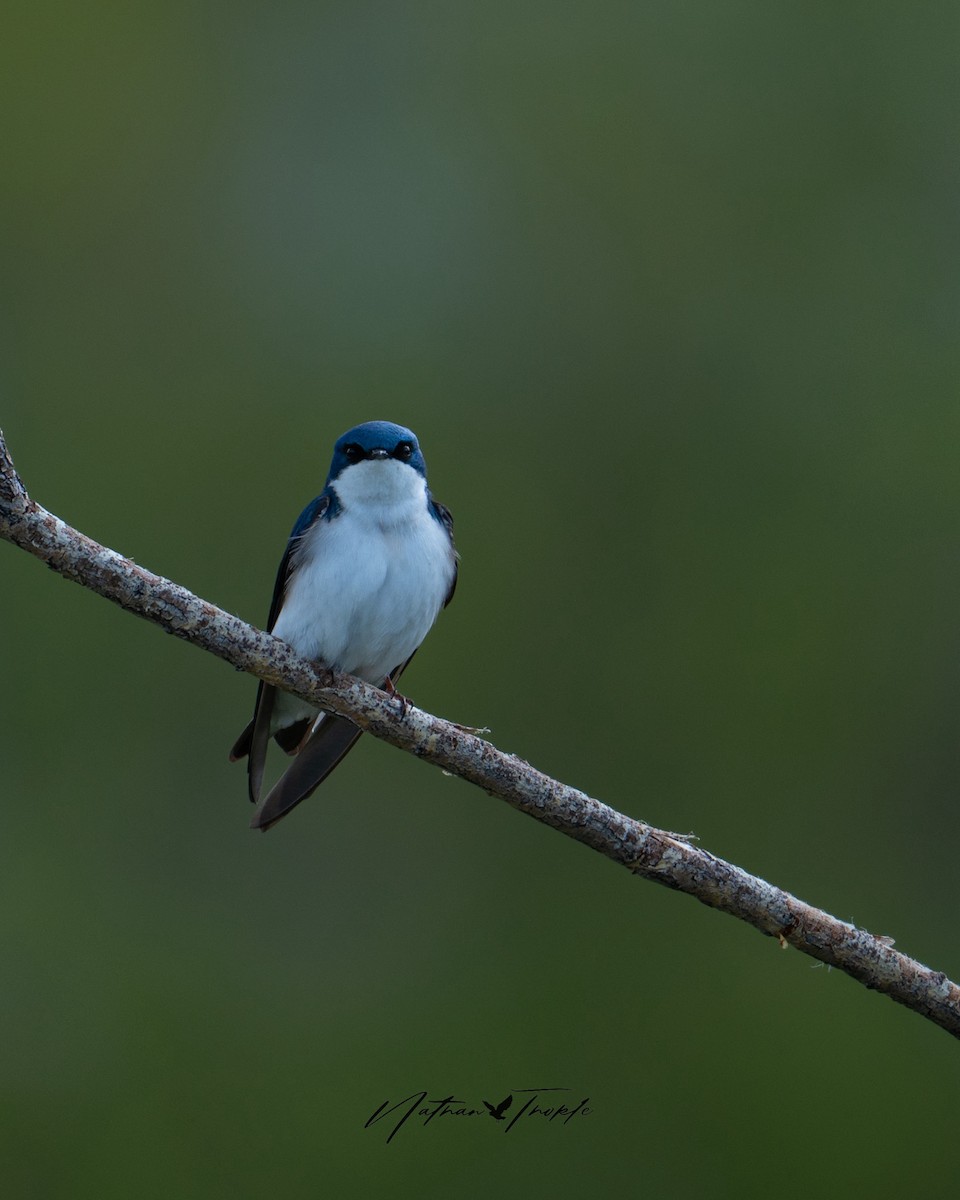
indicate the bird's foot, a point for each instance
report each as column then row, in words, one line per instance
column 403, row 702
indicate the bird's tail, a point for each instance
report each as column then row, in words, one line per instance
column 326, row 746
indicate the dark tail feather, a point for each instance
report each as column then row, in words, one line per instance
column 241, row 747
column 327, row 746
column 258, row 744
column 287, row 739
column 253, row 741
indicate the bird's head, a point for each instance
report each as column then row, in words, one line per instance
column 376, row 442
column 377, row 462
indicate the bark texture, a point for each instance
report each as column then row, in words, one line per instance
column 666, row 858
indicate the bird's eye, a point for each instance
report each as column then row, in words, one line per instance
column 352, row 452
column 403, row 451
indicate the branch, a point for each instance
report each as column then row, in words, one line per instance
column 652, row 853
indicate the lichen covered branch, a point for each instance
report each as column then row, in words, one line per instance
column 652, row 853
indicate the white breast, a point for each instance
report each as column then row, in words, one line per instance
column 369, row 583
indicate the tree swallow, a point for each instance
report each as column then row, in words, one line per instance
column 368, row 566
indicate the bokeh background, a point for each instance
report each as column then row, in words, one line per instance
column 670, row 293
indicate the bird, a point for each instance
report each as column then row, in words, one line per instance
column 368, row 566
column 501, row 1108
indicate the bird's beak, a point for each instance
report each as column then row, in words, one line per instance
column 379, row 452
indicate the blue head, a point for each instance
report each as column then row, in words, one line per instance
column 376, row 441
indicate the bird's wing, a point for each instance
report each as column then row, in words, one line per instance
column 316, row 509
column 331, row 740
column 445, row 517
column 325, row 747
column 253, row 741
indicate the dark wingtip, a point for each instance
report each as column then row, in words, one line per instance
column 275, row 808
column 264, row 823
column 241, row 747
column 325, row 748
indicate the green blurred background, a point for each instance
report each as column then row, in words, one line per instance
column 670, row 294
